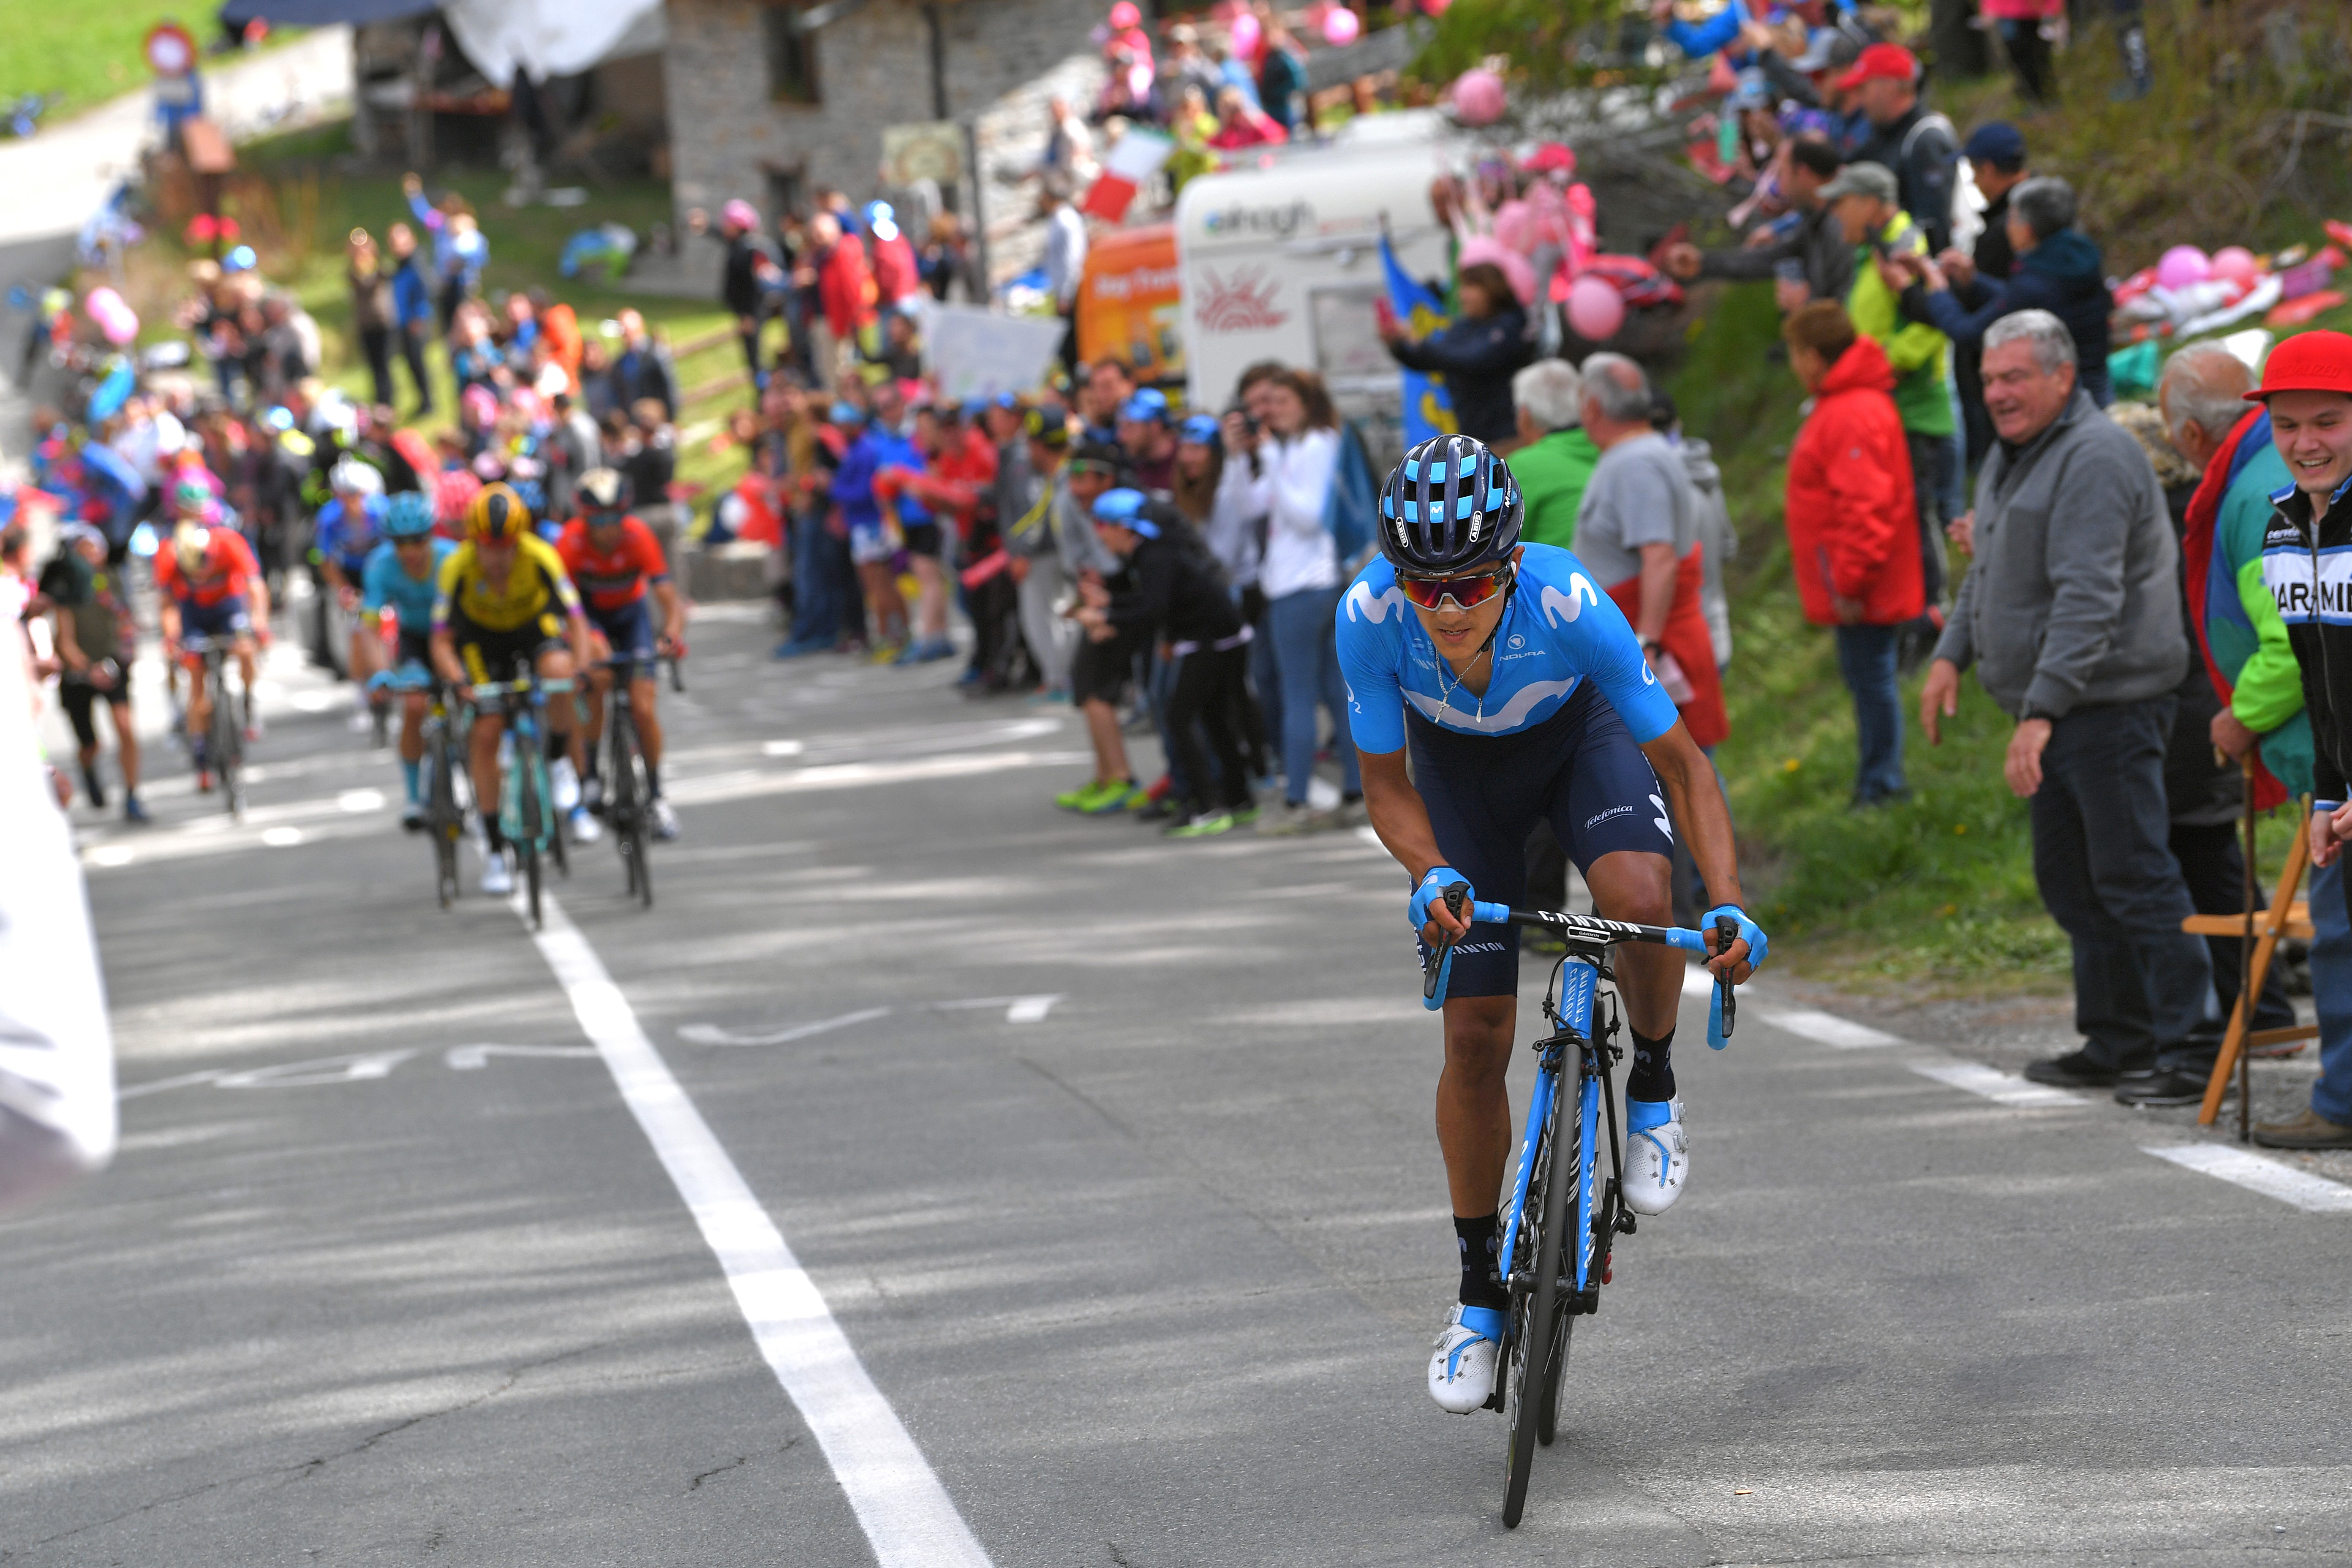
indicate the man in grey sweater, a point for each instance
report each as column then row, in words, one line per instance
column 2070, row 617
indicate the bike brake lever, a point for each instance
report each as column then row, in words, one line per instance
column 1433, row 964
column 1726, row 931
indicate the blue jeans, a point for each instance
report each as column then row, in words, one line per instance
column 1266, row 676
column 1866, row 660
column 816, row 612
column 2331, row 992
column 2102, row 858
column 1306, row 663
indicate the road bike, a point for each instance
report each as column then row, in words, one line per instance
column 1559, row 1219
column 526, row 814
column 223, row 741
column 628, row 790
column 447, row 794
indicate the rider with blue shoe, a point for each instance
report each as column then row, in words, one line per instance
column 403, row 575
column 1521, row 694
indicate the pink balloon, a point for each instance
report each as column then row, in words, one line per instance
column 1477, row 96
column 1517, row 269
column 2237, row 265
column 1245, row 35
column 115, row 319
column 1436, row 7
column 1595, row 309
column 1340, row 26
column 2182, row 266
column 1514, row 226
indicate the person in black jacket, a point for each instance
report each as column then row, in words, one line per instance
column 1478, row 354
column 1996, row 155
column 1818, row 244
column 1171, row 587
column 2057, row 270
column 738, row 283
column 1906, row 137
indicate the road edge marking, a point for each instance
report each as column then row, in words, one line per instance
column 905, row 1511
column 2258, row 1173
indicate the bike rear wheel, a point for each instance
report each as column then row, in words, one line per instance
column 225, row 746
column 1540, row 1321
column 631, row 792
column 443, row 820
column 530, row 818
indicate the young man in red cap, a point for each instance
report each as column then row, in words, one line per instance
column 1907, row 137
column 2308, row 567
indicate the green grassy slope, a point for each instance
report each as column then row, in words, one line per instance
column 88, row 55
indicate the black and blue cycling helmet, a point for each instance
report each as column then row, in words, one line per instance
column 1451, row 507
column 408, row 515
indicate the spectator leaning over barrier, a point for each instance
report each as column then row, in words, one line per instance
column 2204, row 787
column 1864, row 196
column 1816, row 250
column 1852, row 517
column 2308, row 384
column 1912, row 141
column 1477, row 352
column 2057, row 269
column 1555, row 458
column 1637, row 532
column 2070, row 619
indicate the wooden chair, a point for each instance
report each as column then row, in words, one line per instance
column 2286, row 917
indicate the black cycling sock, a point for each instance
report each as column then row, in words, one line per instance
column 653, row 779
column 1479, row 1239
column 1652, row 1074
column 492, row 834
column 589, row 757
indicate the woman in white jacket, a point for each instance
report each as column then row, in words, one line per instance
column 1293, row 450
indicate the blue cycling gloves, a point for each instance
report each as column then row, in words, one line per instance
column 1433, row 891
column 1749, row 932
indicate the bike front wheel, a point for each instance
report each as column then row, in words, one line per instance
column 1539, row 1321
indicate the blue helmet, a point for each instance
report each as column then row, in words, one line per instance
column 534, row 498
column 408, row 515
column 1450, row 507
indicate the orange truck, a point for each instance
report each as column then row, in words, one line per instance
column 1129, row 303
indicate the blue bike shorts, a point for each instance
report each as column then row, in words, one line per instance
column 629, row 630
column 222, row 620
column 1579, row 769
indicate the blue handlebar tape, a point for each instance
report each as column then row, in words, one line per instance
column 1688, row 940
column 1490, row 914
column 1445, row 972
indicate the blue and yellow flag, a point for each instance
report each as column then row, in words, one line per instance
column 1428, row 411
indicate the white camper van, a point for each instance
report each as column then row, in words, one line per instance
column 1283, row 261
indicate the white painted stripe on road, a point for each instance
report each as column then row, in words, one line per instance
column 1827, row 1028
column 2312, row 1194
column 713, row 1034
column 2001, row 1088
column 906, row 1514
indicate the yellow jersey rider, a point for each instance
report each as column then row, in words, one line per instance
column 505, row 605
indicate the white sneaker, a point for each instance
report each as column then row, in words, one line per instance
column 565, row 783
column 665, row 820
column 585, row 830
column 1462, row 1372
column 1657, row 1161
column 497, row 877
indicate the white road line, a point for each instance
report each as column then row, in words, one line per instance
column 1017, row 1009
column 2001, row 1088
column 906, row 1514
column 713, row 1034
column 2312, row 1194
column 1826, row 1028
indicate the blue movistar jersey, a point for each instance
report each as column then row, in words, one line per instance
column 1557, row 632
column 411, row 599
column 346, row 540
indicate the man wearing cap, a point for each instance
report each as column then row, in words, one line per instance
column 1033, row 538
column 1145, row 437
column 1100, row 668
column 1996, row 155
column 1817, row 243
column 1863, row 197
column 1906, row 137
column 2071, row 619
column 91, row 604
column 2308, row 568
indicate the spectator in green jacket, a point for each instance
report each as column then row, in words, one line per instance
column 1863, row 196
column 1555, row 456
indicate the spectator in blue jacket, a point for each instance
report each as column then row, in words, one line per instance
column 1478, row 353
column 412, row 310
column 2057, row 269
column 460, row 249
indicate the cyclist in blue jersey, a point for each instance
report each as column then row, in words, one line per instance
column 1521, row 693
column 402, row 575
column 346, row 532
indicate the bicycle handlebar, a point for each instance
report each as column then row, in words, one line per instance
column 1722, row 1009
column 518, row 687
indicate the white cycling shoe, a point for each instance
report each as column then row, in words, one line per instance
column 1462, row 1372
column 563, row 784
column 1658, row 1158
column 665, row 820
column 585, row 830
column 497, row 877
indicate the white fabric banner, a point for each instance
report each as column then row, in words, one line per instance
column 545, row 38
column 975, row 355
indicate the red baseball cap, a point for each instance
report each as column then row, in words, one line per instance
column 1890, row 60
column 2308, row 362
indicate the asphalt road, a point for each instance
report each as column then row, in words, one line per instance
column 1111, row 1160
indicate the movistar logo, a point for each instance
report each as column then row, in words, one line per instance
column 1374, row 608
column 1558, row 606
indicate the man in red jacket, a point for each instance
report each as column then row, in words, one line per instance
column 1850, row 504
column 844, row 287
